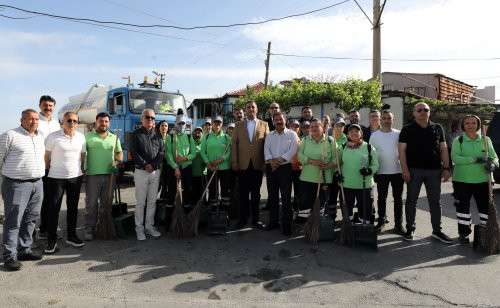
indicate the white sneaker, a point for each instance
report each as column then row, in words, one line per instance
column 141, row 236
column 153, row 232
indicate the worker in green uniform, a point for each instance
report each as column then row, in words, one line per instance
column 215, row 151
column 198, row 166
column 359, row 163
column 180, row 152
column 471, row 172
column 340, row 139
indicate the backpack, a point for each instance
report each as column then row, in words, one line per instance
column 369, row 148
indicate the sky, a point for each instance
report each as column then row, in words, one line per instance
column 40, row 55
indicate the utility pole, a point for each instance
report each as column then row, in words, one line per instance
column 266, row 80
column 376, row 64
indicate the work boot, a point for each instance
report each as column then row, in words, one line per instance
column 12, row 265
column 399, row 230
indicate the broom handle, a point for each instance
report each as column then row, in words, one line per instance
column 486, row 148
column 341, row 185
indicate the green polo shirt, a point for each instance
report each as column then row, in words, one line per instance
column 322, row 150
column 100, row 155
column 184, row 145
column 341, row 141
column 464, row 155
column 214, row 147
column 352, row 161
column 198, row 165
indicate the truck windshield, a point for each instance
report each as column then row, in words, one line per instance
column 160, row 102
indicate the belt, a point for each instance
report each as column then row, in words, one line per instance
column 23, row 181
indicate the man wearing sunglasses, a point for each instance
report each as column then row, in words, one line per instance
column 147, row 150
column 424, row 160
column 65, row 152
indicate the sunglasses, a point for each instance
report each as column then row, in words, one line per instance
column 273, row 107
column 423, row 110
column 71, row 121
column 149, row 118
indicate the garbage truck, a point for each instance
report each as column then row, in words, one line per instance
column 125, row 105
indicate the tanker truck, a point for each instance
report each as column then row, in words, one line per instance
column 125, row 105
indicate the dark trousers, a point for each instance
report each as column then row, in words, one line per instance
column 250, row 182
column 57, row 187
column 308, row 195
column 296, row 189
column 279, row 183
column 333, row 197
column 44, row 211
column 362, row 198
column 163, row 187
column 198, row 187
column 397, row 184
column 431, row 178
column 186, row 183
column 234, row 208
column 220, row 183
column 463, row 192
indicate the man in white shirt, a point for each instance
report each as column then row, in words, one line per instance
column 22, row 165
column 385, row 141
column 64, row 156
column 46, row 125
column 279, row 148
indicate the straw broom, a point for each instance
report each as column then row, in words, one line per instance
column 177, row 225
column 346, row 235
column 492, row 233
column 193, row 218
column 311, row 229
column 105, row 228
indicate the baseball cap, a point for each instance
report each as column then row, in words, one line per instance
column 231, row 125
column 218, row 119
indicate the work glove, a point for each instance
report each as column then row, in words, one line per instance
column 366, row 171
column 481, row 160
column 338, row 177
column 489, row 165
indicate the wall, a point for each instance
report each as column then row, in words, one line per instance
column 401, row 81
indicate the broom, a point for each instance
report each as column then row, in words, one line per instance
column 492, row 232
column 178, row 216
column 105, row 228
column 311, row 229
column 193, row 218
column 346, row 235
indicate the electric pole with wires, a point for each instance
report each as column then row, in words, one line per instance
column 376, row 64
column 268, row 57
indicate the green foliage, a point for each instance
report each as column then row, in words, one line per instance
column 346, row 94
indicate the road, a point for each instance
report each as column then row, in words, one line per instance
column 252, row 268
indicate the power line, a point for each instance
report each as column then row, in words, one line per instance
column 172, row 26
column 385, row 59
column 12, row 17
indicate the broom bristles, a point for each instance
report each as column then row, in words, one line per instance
column 193, row 219
column 311, row 229
column 178, row 218
column 492, row 231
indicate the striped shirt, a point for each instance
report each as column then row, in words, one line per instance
column 22, row 155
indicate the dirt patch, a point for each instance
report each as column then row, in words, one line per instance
column 266, row 274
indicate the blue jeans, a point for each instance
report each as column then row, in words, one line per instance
column 22, row 203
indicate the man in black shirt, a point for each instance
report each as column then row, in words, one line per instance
column 273, row 108
column 147, row 150
column 424, row 160
column 306, row 114
column 354, row 119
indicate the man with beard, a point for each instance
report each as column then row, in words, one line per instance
column 273, row 108
column 238, row 114
column 104, row 151
column 354, row 119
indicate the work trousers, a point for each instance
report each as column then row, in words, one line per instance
column 186, row 184
column 279, row 184
column 199, row 183
column 221, row 183
column 333, row 197
column 397, row 183
column 146, row 190
column 22, row 202
column 296, row 189
column 463, row 193
column 308, row 195
column 44, row 211
column 431, row 178
column 250, row 182
column 57, row 188
column 363, row 199
column 97, row 195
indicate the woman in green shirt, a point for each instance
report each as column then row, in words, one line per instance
column 471, row 171
column 216, row 153
column 340, row 139
column 318, row 162
column 359, row 163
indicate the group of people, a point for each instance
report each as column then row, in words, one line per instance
column 327, row 159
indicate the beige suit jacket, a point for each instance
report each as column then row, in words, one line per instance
column 243, row 151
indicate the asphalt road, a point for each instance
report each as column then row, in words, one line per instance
column 260, row 269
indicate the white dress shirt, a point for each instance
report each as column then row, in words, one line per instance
column 46, row 127
column 251, row 124
column 282, row 145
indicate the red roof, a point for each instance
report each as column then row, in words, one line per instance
column 259, row 86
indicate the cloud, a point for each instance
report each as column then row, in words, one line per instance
column 12, row 39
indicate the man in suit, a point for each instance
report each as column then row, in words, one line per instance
column 247, row 157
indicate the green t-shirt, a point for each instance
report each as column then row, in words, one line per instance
column 184, row 145
column 464, row 155
column 198, row 165
column 322, row 150
column 214, row 147
column 100, row 154
column 341, row 141
column 355, row 159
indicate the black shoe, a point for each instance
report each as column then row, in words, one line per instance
column 31, row 256
column 399, row 230
column 51, row 247
column 271, row 227
column 440, row 236
column 239, row 225
column 12, row 265
column 74, row 241
column 463, row 240
column 409, row 235
column 380, row 226
column 259, row 225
